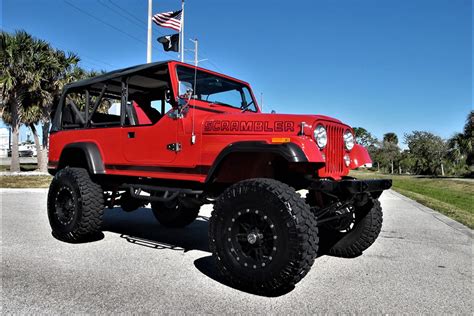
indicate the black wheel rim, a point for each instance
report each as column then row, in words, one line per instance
column 346, row 222
column 65, row 206
column 252, row 238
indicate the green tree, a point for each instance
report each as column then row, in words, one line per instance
column 32, row 76
column 60, row 71
column 390, row 138
column 406, row 162
column 460, row 148
column 364, row 137
column 469, row 136
column 427, row 150
column 390, row 152
column 20, row 57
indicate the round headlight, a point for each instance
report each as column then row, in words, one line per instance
column 321, row 136
column 349, row 140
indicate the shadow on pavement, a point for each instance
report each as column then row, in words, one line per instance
column 207, row 266
column 140, row 227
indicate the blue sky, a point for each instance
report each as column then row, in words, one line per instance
column 389, row 66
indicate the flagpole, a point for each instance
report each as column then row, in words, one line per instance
column 181, row 35
column 149, row 35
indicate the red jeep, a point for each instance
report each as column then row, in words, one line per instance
column 178, row 137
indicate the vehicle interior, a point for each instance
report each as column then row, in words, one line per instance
column 138, row 99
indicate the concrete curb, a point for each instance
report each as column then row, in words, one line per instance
column 441, row 217
column 22, row 190
column 23, row 173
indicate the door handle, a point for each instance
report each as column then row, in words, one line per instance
column 131, row 134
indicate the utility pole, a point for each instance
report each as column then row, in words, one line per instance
column 181, row 35
column 196, row 52
column 148, row 42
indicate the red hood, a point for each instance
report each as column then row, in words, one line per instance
column 257, row 123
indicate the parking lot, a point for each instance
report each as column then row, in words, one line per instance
column 421, row 263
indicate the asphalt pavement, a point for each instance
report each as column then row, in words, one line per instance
column 421, row 263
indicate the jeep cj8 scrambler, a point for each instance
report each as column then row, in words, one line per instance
column 177, row 136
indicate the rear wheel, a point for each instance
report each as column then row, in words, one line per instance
column 75, row 206
column 174, row 214
column 263, row 236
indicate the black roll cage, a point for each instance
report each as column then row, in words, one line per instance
column 86, row 85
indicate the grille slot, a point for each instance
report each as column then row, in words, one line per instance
column 334, row 150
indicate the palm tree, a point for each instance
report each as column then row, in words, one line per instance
column 60, row 71
column 390, row 148
column 32, row 77
column 18, row 77
column 458, row 148
column 390, row 138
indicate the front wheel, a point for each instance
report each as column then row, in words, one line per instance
column 263, row 236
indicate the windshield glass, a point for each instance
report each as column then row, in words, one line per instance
column 214, row 89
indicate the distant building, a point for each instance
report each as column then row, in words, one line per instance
column 4, row 141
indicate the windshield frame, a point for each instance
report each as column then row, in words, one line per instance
column 229, row 106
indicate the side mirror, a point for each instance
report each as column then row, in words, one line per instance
column 273, row 112
column 168, row 96
column 185, row 93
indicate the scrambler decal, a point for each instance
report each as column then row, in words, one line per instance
column 249, row 126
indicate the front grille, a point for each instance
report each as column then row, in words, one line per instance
column 334, row 150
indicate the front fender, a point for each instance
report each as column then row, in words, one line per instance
column 309, row 148
column 359, row 157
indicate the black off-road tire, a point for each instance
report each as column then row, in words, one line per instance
column 295, row 243
column 366, row 230
column 174, row 214
column 351, row 244
column 82, row 222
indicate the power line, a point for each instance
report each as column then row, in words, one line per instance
column 127, row 14
column 120, row 13
column 106, row 23
column 63, row 48
column 130, row 14
column 123, row 13
column 137, row 20
column 101, row 21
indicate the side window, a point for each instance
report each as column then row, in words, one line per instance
column 101, row 110
column 73, row 111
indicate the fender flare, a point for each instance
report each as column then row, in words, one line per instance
column 92, row 154
column 359, row 157
column 291, row 152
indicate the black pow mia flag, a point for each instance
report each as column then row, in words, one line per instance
column 170, row 42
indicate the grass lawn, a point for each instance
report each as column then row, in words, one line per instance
column 450, row 196
column 25, row 181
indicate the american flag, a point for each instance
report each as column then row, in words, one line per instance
column 170, row 20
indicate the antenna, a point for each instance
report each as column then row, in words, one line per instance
column 196, row 61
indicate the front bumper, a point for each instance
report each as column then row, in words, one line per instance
column 350, row 186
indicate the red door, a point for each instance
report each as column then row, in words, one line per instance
column 149, row 144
